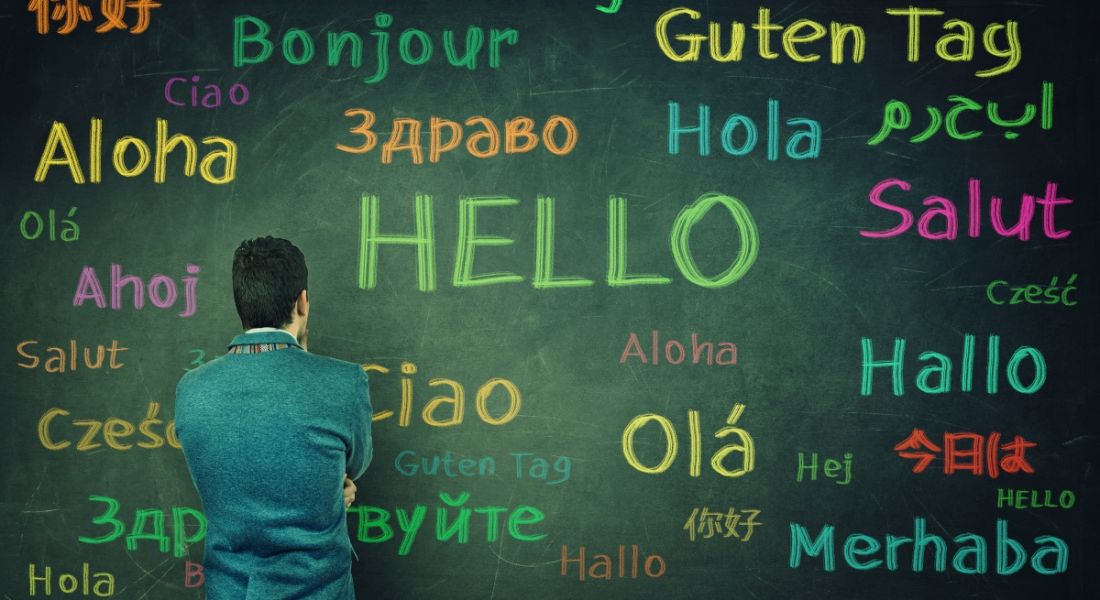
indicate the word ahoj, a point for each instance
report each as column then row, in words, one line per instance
column 832, row 468
column 618, row 274
column 56, row 360
column 708, row 523
column 1051, row 293
column 810, row 135
column 414, row 46
column 896, row 117
column 212, row 93
column 71, row 12
column 519, row 136
column 527, row 466
column 456, row 402
column 966, row 451
column 935, row 377
column 603, row 565
column 100, row 583
column 1029, row 499
column 747, row 447
column 69, row 233
column 675, row 353
column 115, row 431
column 59, row 140
column 162, row 289
column 971, row 555
column 944, row 208
column 145, row 518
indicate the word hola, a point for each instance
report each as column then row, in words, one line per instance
column 747, row 447
column 1051, row 293
column 212, row 93
column 527, row 465
column 708, row 524
column 71, row 12
column 963, row 39
column 967, row 451
column 56, row 360
column 102, row 586
column 810, row 136
column 415, row 47
column 831, row 469
column 115, row 431
column 70, row 232
column 603, row 565
column 145, row 518
column 456, row 402
column 675, row 353
column 162, row 289
column 519, row 136
column 1028, row 499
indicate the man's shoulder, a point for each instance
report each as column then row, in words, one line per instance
column 328, row 364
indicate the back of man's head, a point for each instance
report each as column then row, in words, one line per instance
column 268, row 275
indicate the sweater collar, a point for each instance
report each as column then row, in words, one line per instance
column 265, row 337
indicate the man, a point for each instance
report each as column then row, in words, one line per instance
column 271, row 433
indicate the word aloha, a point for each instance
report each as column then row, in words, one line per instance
column 71, row 12
column 675, row 353
column 966, row 451
column 708, row 523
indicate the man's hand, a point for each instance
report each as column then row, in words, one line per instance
column 349, row 492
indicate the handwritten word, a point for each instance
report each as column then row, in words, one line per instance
column 69, row 583
column 162, row 289
column 144, row 518
column 831, row 469
column 747, row 447
column 964, row 38
column 675, row 353
column 971, row 556
column 654, row 565
column 896, row 117
column 70, row 233
column 800, row 32
column 527, row 465
column 59, row 139
column 1033, row 293
column 945, row 209
column 710, row 522
column 415, row 46
column 377, row 518
column 811, row 135
column 200, row 359
column 981, row 450
column 114, row 431
column 456, row 402
column 617, row 272
column 212, row 96
column 940, row 370
column 72, row 12
column 56, row 362
column 1021, row 499
column 518, row 136
column 612, row 8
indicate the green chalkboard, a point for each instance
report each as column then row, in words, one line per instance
column 701, row 300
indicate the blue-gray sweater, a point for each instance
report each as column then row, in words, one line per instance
column 268, row 437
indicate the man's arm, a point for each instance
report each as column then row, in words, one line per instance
column 361, row 451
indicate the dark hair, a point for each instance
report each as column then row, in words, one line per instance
column 268, row 275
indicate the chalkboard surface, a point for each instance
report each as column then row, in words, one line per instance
column 658, row 300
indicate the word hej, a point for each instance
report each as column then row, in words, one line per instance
column 1032, row 293
column 811, row 136
column 99, row 583
column 604, row 565
column 456, row 402
column 58, row 360
column 519, row 136
column 60, row 141
column 945, row 210
column 708, row 523
column 897, row 117
column 967, row 451
column 469, row 240
column 415, row 46
column 747, row 447
column 114, row 431
column 675, row 353
column 831, row 468
column 527, row 466
column 956, row 46
column 971, row 557
column 71, row 12
column 162, row 290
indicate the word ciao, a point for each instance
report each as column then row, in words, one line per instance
column 544, row 278
column 1051, row 293
column 971, row 556
column 604, row 565
column 747, row 447
column 944, row 209
column 145, row 518
column 1029, row 499
column 162, row 289
column 957, row 45
column 527, row 466
column 70, row 13
column 32, row 226
column 897, row 117
column 113, row 431
column 212, row 93
column 456, row 402
column 370, row 518
column 936, row 377
column 810, row 136
column 100, row 583
column 56, row 360
column 60, row 141
column 519, row 136
column 675, row 353
column 414, row 46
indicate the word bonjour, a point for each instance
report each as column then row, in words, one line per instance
column 519, row 136
column 143, row 519
column 527, row 464
column 810, row 136
column 675, row 353
column 162, row 289
column 747, row 447
column 100, row 583
column 1033, row 293
column 456, row 402
column 707, row 524
column 415, row 46
column 831, row 468
column 544, row 278
column 602, row 565
column 59, row 140
column 69, row 233
column 971, row 556
column 56, row 361
column 114, row 431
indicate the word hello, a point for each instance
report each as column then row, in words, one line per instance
column 102, row 586
column 212, row 93
column 832, row 468
column 162, row 289
column 604, row 565
column 59, row 140
column 527, row 466
column 456, row 402
column 1028, row 499
column 810, row 136
column 675, row 353
column 56, row 362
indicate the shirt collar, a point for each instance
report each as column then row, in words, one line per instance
column 265, row 335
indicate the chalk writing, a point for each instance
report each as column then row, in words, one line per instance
column 603, row 565
column 527, row 466
column 832, row 468
column 706, row 523
column 56, row 356
column 1051, row 293
column 114, row 431
column 1029, row 499
column 456, row 402
column 810, row 136
column 200, row 358
column 99, row 583
column 32, row 225
column 675, row 353
column 71, row 13
column 162, row 289
column 144, row 518
column 212, row 93
column 747, row 447
column 966, row 451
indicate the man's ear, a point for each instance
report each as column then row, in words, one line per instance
column 301, row 306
